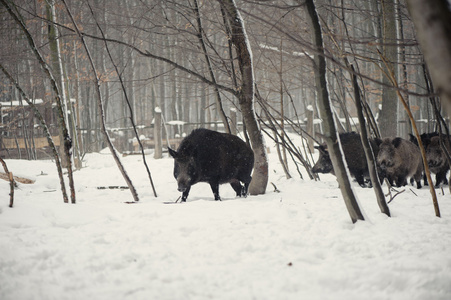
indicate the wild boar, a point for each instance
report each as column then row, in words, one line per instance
column 399, row 159
column 436, row 158
column 425, row 140
column 215, row 158
column 354, row 156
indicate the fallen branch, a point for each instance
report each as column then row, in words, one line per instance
column 23, row 180
column 397, row 193
column 113, row 187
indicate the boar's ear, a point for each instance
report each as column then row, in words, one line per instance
column 378, row 141
column 396, row 142
column 321, row 149
column 172, row 152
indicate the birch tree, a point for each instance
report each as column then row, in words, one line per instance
column 66, row 143
column 246, row 96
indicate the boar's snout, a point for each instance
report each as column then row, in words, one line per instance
column 385, row 164
column 315, row 169
column 183, row 183
column 321, row 169
column 433, row 163
column 182, row 187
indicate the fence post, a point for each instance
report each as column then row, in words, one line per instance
column 233, row 125
column 157, row 134
column 310, row 127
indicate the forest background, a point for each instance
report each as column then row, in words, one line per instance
column 118, row 61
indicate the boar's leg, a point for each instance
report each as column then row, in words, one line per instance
column 246, row 188
column 360, row 179
column 441, row 177
column 236, row 185
column 418, row 184
column 185, row 194
column 418, row 175
column 425, row 179
column 418, row 180
column 246, row 180
column 215, row 189
column 390, row 180
column 401, row 181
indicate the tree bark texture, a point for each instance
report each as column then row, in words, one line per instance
column 246, row 97
column 11, row 182
column 66, row 143
column 330, row 132
column 46, row 131
column 433, row 30
column 101, row 110
column 370, row 159
column 218, row 100
column 388, row 119
column 157, row 130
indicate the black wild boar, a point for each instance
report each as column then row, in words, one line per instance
column 425, row 138
column 436, row 158
column 215, row 158
column 354, row 155
column 399, row 159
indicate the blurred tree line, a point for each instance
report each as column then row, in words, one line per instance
column 181, row 57
column 190, row 71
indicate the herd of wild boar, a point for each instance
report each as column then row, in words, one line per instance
column 397, row 159
column 217, row 158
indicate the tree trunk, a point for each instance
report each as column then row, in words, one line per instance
column 388, row 117
column 246, row 96
column 45, row 129
column 218, row 100
column 11, row 182
column 367, row 148
column 101, row 109
column 330, row 133
column 57, row 69
column 66, row 142
column 157, row 130
column 433, row 29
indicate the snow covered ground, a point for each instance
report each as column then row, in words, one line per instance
column 296, row 244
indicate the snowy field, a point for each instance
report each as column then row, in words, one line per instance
column 296, row 244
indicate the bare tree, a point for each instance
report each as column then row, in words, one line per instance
column 201, row 35
column 371, row 160
column 330, row 133
column 246, row 96
column 433, row 27
column 389, row 113
column 101, row 111
column 11, row 182
column 44, row 128
column 67, row 143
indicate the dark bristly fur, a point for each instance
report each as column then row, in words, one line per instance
column 399, row 159
column 215, row 158
column 354, row 155
column 436, row 158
